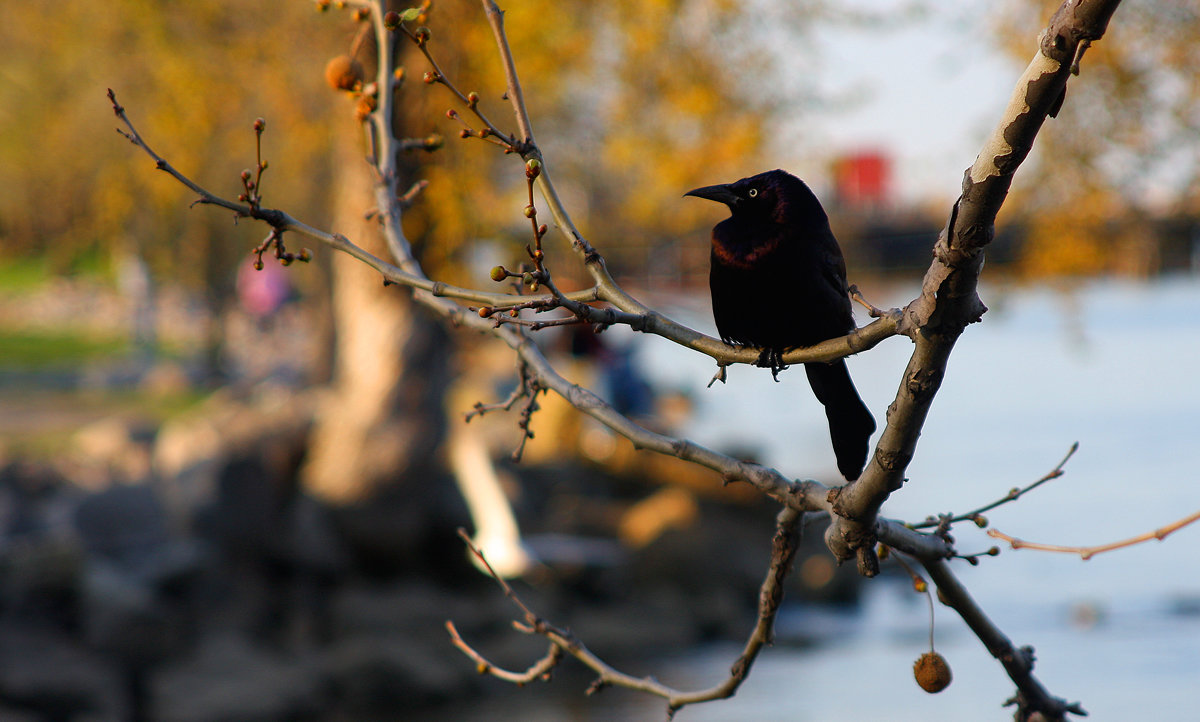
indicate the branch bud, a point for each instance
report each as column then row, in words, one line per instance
column 391, row 20
column 361, row 14
column 530, row 212
column 365, row 106
column 464, row 133
column 451, row 114
column 260, row 125
column 430, row 77
column 486, row 311
column 499, row 273
column 533, row 168
column 472, row 99
column 422, row 35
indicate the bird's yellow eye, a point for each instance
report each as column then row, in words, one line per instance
column 753, row 192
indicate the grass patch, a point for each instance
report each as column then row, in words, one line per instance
column 37, row 349
column 23, row 274
column 40, row 423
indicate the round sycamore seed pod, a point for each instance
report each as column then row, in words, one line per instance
column 343, row 73
column 932, row 672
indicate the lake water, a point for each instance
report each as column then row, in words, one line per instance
column 1111, row 364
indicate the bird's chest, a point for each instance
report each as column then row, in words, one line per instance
column 773, row 293
column 746, row 248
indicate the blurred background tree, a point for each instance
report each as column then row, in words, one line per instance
column 206, row 70
column 1126, row 147
column 638, row 101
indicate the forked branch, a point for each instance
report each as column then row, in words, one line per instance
column 783, row 552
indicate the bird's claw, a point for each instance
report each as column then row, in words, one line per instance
column 771, row 358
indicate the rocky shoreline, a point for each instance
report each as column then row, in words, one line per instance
column 189, row 578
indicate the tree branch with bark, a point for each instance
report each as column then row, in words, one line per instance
column 948, row 302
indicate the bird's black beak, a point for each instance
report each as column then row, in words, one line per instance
column 720, row 193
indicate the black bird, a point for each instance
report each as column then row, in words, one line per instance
column 778, row 281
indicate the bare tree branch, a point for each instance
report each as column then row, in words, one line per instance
column 1031, row 696
column 1087, row 553
column 948, row 300
column 947, row 304
column 783, row 552
column 944, row 521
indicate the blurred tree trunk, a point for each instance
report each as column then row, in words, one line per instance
column 381, row 422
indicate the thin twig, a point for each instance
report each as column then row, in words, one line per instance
column 1086, row 553
column 439, row 76
column 944, row 521
column 783, row 552
column 496, row 19
column 859, row 298
column 538, row 670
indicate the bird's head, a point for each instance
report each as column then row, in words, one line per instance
column 771, row 195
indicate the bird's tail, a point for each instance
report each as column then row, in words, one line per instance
column 850, row 423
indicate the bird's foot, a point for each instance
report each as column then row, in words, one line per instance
column 771, row 358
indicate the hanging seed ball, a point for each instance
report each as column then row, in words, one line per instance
column 343, row 73
column 932, row 672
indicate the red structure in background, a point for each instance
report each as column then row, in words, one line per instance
column 862, row 181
